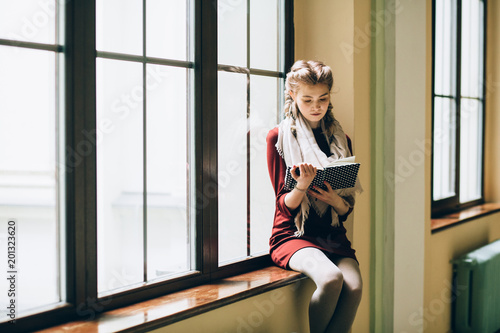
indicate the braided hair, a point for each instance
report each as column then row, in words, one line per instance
column 308, row 72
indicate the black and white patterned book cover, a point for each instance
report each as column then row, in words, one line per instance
column 339, row 176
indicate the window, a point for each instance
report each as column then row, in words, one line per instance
column 458, row 104
column 134, row 136
column 32, row 183
column 145, row 162
column 250, row 85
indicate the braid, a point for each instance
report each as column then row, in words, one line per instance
column 291, row 111
column 308, row 72
column 329, row 121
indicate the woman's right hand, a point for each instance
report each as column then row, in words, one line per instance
column 305, row 176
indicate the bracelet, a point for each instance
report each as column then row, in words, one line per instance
column 299, row 189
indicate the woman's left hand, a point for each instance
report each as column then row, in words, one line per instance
column 330, row 197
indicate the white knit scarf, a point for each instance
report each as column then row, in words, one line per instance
column 302, row 147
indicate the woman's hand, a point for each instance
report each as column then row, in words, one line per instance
column 305, row 176
column 330, row 197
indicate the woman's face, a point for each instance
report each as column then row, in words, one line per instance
column 312, row 101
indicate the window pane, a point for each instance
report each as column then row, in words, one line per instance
column 28, row 20
column 119, row 26
column 445, row 48
column 232, row 166
column 264, row 92
column 166, row 26
column 119, row 174
column 232, row 32
column 30, row 176
column 169, row 238
column 444, row 148
column 471, row 155
column 472, row 48
column 264, row 34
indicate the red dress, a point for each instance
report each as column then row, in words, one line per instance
column 318, row 231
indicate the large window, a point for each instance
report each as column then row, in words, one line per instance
column 458, row 104
column 32, row 179
column 133, row 147
column 250, row 85
column 145, row 162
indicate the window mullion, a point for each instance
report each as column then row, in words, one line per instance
column 483, row 96
column 249, row 225
column 206, row 130
column 289, row 42
column 81, row 175
column 89, row 66
column 144, row 148
column 458, row 100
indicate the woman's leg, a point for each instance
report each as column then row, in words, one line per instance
column 328, row 279
column 350, row 296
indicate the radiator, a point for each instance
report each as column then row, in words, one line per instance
column 477, row 290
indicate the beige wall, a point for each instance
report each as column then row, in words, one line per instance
column 492, row 147
column 409, row 185
column 362, row 150
column 280, row 310
column 320, row 28
column 333, row 31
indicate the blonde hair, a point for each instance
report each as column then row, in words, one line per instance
column 308, row 72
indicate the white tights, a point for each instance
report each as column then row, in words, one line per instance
column 335, row 301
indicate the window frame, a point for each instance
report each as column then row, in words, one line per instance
column 82, row 301
column 452, row 204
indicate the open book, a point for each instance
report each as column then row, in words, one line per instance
column 340, row 174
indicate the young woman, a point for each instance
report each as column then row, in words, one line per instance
column 308, row 233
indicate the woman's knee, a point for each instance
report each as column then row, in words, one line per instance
column 331, row 279
column 353, row 283
column 354, row 289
